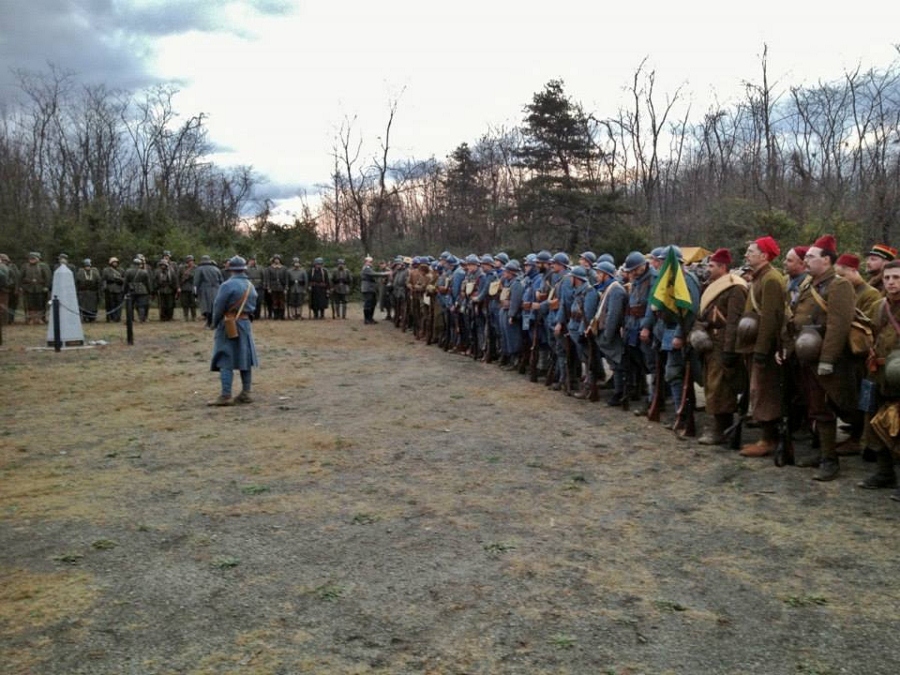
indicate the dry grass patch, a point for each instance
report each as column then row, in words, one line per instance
column 33, row 600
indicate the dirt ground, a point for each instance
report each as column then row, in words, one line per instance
column 385, row 507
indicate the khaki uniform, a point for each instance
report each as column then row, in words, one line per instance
column 765, row 300
column 721, row 307
column 828, row 394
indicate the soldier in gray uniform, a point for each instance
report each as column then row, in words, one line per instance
column 207, row 279
column 368, row 283
column 296, row 294
column 341, row 282
column 186, row 289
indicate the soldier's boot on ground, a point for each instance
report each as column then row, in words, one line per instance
column 830, row 465
column 343, row 311
column 766, row 445
column 716, row 435
column 885, row 476
column 584, row 391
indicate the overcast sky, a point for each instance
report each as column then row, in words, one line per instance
column 278, row 77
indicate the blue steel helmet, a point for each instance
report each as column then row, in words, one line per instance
column 606, row 267
column 487, row 259
column 318, row 261
column 435, row 265
column 445, row 255
column 237, row 264
column 452, row 260
column 513, row 266
column 634, row 260
column 544, row 256
column 590, row 256
column 416, row 260
column 561, row 259
column 472, row 259
column 606, row 257
column 579, row 273
column 531, row 259
column 502, row 257
column 659, row 252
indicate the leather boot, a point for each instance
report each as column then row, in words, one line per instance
column 884, row 476
column 830, row 466
column 716, row 435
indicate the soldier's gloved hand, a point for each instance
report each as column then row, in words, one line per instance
column 761, row 358
column 729, row 359
column 825, row 368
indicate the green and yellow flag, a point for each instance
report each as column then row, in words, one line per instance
column 670, row 290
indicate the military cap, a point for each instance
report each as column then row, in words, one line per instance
column 237, row 264
column 544, row 256
column 606, row 267
column 561, row 258
column 579, row 272
column 634, row 260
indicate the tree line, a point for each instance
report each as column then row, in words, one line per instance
column 86, row 168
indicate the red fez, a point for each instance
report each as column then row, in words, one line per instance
column 883, row 251
column 848, row 260
column 827, row 243
column 768, row 246
column 800, row 251
column 721, row 256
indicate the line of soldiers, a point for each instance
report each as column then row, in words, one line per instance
column 790, row 353
column 284, row 291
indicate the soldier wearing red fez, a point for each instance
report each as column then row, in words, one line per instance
column 764, row 308
column 721, row 307
column 877, row 256
column 830, row 378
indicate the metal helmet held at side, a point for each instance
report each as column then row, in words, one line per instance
column 808, row 345
column 747, row 330
column 700, row 340
column 892, row 371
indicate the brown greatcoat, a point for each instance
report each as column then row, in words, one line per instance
column 766, row 300
column 867, row 298
column 722, row 306
column 841, row 387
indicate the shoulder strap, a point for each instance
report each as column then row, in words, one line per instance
column 244, row 298
column 820, row 301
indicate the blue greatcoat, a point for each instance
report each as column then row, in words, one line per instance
column 239, row 353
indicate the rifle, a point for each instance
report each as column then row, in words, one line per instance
column 659, row 389
column 735, row 431
column 524, row 354
column 594, row 394
column 784, row 451
column 684, row 417
column 567, row 376
column 533, row 355
column 488, row 333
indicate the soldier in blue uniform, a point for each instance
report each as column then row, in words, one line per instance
column 236, row 296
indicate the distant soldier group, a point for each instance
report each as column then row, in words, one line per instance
column 792, row 353
column 283, row 292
